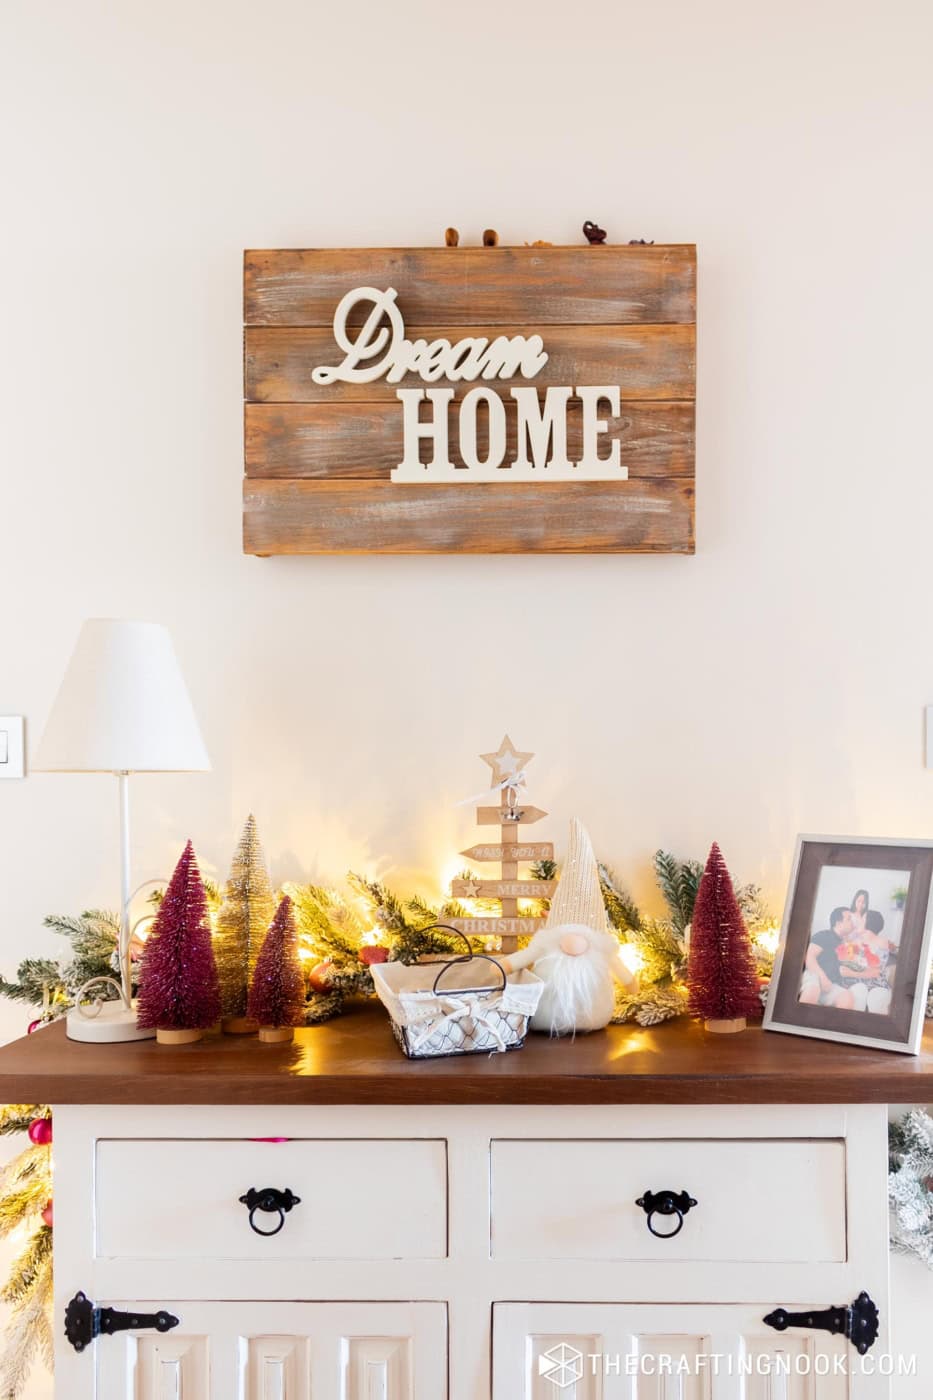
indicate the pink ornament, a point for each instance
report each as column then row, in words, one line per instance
column 33, row 1026
column 373, row 953
column 47, row 1214
column 40, row 1132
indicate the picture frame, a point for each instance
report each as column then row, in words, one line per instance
column 853, row 961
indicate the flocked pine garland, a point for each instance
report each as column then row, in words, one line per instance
column 910, row 1185
column 342, row 935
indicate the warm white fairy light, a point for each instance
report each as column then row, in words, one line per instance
column 769, row 938
column 143, row 927
column 633, row 958
column 451, row 870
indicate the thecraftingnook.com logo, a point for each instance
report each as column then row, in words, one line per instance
column 561, row 1365
column 564, row 1365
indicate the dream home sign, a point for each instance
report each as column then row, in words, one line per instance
column 473, row 400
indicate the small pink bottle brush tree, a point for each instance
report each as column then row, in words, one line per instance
column 277, row 993
column 179, row 995
column 722, row 979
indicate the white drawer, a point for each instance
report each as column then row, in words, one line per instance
column 759, row 1200
column 365, row 1198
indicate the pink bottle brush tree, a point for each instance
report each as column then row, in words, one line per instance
column 277, row 994
column 178, row 991
column 722, row 979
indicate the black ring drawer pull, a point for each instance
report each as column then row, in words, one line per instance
column 84, row 1321
column 271, row 1200
column 666, row 1203
column 858, row 1321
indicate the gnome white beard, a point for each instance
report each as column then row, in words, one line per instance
column 578, row 988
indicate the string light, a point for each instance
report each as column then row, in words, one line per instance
column 769, row 938
column 633, row 958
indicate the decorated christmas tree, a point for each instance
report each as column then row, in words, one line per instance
column 722, row 979
column 178, row 992
column 277, row 992
column 244, row 917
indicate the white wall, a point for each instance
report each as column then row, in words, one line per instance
column 774, row 682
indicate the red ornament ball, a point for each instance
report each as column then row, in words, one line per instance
column 47, row 1214
column 373, row 953
column 40, row 1132
column 321, row 976
column 33, row 1026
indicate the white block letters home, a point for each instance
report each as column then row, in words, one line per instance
column 375, row 350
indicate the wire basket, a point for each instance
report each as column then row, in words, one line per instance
column 436, row 1008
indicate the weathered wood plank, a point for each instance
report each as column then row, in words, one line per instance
column 334, row 441
column 531, row 850
column 540, row 286
column 647, row 362
column 353, row 517
column 498, row 889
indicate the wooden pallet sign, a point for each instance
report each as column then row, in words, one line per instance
column 508, row 766
column 470, row 400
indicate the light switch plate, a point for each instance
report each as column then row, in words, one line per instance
column 12, row 747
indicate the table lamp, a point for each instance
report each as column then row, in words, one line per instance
column 122, row 708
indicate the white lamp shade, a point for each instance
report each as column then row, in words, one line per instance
column 123, row 706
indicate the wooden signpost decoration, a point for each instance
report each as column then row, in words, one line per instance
column 483, row 400
column 508, row 766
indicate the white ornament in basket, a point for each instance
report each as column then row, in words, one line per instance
column 437, row 1008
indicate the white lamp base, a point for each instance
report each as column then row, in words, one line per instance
column 112, row 1024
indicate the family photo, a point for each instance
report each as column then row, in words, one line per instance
column 851, row 956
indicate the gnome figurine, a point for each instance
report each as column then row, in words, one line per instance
column 576, row 954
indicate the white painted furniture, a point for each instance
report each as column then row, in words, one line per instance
column 468, row 1240
column 468, row 1229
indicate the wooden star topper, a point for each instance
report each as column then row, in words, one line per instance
column 507, row 763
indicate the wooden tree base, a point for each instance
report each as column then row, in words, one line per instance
column 172, row 1037
column 726, row 1027
column 239, row 1025
column 276, row 1035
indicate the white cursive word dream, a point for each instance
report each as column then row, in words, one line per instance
column 377, row 348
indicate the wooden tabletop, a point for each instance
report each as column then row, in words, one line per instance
column 354, row 1059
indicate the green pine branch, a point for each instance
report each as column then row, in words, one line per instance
column 623, row 912
column 679, row 881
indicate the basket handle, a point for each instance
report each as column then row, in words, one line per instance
column 466, row 957
column 452, row 962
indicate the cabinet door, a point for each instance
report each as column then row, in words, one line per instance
column 610, row 1351
column 279, row 1351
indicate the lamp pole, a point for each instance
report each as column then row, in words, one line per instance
column 126, row 974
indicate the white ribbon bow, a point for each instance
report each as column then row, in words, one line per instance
column 493, row 794
column 461, row 1007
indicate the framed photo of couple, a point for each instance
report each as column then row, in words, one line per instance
column 853, row 962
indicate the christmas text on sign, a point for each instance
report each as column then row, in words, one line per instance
column 374, row 350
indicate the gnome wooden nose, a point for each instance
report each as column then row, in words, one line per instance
column 573, row 944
